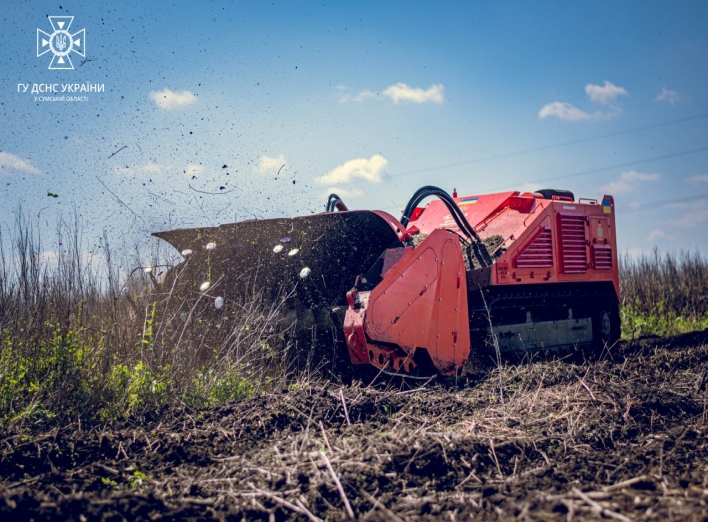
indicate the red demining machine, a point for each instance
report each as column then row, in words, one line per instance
column 434, row 293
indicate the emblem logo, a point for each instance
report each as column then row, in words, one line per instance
column 600, row 232
column 61, row 42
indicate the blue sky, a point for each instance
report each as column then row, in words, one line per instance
column 373, row 99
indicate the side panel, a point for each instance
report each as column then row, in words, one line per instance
column 583, row 241
column 420, row 303
column 452, row 335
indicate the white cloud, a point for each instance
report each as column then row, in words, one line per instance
column 700, row 178
column 400, row 92
column 168, row 99
column 671, row 97
column 529, row 187
column 193, row 169
column 658, row 234
column 627, row 182
column 51, row 258
column 363, row 95
column 603, row 94
column 564, row 111
column 635, row 253
column 157, row 169
column 342, row 192
column 147, row 169
column 372, row 170
column 268, row 165
column 696, row 213
column 692, row 219
column 10, row 162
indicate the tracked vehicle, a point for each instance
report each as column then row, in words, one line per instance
column 431, row 293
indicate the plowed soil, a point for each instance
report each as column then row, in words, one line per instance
column 622, row 437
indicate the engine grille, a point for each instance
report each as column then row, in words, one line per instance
column 602, row 257
column 574, row 255
column 538, row 253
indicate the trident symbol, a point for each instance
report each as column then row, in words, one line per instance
column 61, row 42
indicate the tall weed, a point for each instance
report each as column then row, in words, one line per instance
column 79, row 336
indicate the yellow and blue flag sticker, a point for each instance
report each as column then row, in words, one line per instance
column 607, row 206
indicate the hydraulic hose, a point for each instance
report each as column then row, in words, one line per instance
column 334, row 202
column 478, row 246
column 455, row 211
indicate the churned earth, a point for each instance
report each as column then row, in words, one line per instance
column 622, row 437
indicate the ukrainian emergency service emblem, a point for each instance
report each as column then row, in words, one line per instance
column 61, row 43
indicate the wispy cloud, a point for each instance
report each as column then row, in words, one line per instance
column 628, row 182
column 160, row 169
column 10, row 162
column 51, row 258
column 363, row 95
column 400, row 92
column 194, row 169
column 657, row 234
column 139, row 170
column 671, row 97
column 604, row 94
column 343, row 192
column 530, row 187
column 267, row 165
column 696, row 214
column 372, row 170
column 635, row 253
column 564, row 111
column 167, row 99
column 700, row 178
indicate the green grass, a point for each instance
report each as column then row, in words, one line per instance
column 664, row 294
column 81, row 339
column 660, row 322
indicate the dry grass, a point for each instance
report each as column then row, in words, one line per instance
column 620, row 438
column 79, row 336
column 664, row 294
column 90, row 337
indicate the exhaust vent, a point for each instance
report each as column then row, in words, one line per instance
column 574, row 255
column 602, row 257
column 538, row 253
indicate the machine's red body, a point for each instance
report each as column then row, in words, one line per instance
column 421, row 301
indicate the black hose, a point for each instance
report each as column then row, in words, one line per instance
column 334, row 202
column 478, row 246
column 455, row 211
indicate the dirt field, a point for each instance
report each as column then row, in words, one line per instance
column 622, row 438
